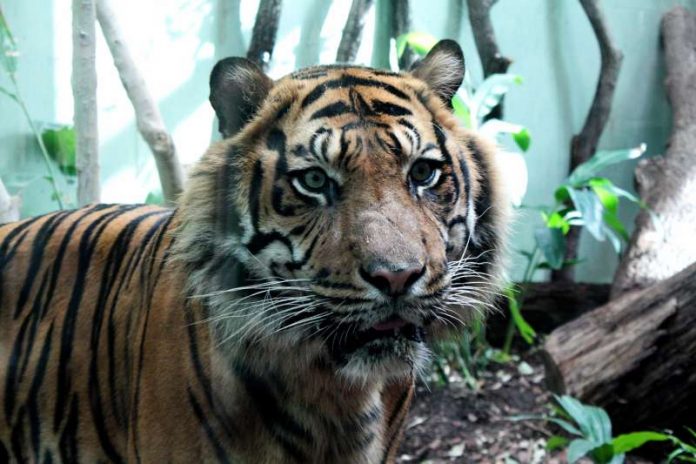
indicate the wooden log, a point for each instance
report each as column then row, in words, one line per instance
column 635, row 356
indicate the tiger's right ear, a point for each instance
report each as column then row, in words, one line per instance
column 237, row 89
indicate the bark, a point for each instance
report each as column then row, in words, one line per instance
column 663, row 246
column 263, row 36
column 634, row 356
column 401, row 24
column 9, row 206
column 548, row 305
column 148, row 118
column 352, row 31
column 84, row 87
column 584, row 144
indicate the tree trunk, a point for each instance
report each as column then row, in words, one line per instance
column 84, row 87
column 147, row 115
column 663, row 241
column 263, row 36
column 9, row 206
column 352, row 31
column 635, row 356
column 584, row 144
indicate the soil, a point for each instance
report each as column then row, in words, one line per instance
column 456, row 423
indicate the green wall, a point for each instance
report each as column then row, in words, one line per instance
column 177, row 42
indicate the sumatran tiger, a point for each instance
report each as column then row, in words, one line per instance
column 280, row 313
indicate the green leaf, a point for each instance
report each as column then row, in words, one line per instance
column 630, row 441
column 419, row 42
column 601, row 160
column 551, row 242
column 608, row 198
column 578, row 449
column 556, row 442
column 60, row 145
column 461, row 111
column 591, row 210
column 614, row 223
column 557, row 221
column 526, row 331
column 523, row 139
column 491, row 91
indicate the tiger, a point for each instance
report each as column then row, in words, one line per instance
column 283, row 310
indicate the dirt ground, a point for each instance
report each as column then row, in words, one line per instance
column 454, row 423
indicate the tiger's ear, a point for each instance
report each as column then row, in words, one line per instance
column 442, row 69
column 237, row 89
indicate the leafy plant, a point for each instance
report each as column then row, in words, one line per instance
column 8, row 60
column 590, row 431
column 60, row 145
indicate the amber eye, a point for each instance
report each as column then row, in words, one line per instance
column 424, row 173
column 314, row 179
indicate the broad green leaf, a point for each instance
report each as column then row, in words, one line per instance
column 552, row 243
column 60, row 145
column 614, row 223
column 591, row 209
column 578, row 449
column 557, row 221
column 561, row 194
column 578, row 412
column 601, row 160
column 461, row 111
column 491, row 91
column 419, row 42
column 609, row 199
column 523, row 139
column 523, row 327
column 556, row 442
column 630, row 441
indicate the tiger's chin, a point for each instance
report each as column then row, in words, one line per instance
column 383, row 353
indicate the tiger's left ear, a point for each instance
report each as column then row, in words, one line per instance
column 237, row 89
column 442, row 69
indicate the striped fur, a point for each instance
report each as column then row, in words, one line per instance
column 240, row 327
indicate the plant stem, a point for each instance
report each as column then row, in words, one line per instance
column 51, row 174
column 526, row 278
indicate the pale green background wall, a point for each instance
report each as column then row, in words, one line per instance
column 177, row 42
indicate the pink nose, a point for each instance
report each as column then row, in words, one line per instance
column 393, row 283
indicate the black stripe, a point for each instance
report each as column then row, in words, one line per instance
column 334, row 109
column 261, row 240
column 67, row 444
column 441, row 141
column 33, row 396
column 350, row 81
column 391, row 109
column 413, row 133
column 219, row 451
column 17, row 439
column 255, row 193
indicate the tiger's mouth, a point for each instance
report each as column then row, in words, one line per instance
column 382, row 338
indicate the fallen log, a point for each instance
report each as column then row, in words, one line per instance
column 635, row 356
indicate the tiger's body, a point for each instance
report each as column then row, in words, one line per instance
column 279, row 313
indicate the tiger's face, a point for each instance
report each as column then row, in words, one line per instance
column 354, row 199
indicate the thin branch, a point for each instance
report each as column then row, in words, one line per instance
column 147, row 115
column 584, row 144
column 352, row 31
column 264, row 33
column 401, row 24
column 492, row 61
column 84, row 87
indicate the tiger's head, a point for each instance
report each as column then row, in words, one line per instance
column 346, row 214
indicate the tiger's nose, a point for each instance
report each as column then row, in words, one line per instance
column 393, row 282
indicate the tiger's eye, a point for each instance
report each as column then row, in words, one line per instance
column 314, row 179
column 421, row 172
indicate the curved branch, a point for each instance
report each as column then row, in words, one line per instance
column 401, row 24
column 584, row 144
column 352, row 31
column 264, row 34
column 147, row 115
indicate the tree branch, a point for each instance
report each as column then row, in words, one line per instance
column 401, row 24
column 584, row 144
column 352, row 31
column 659, row 248
column 264, row 33
column 492, row 61
column 84, row 87
column 147, row 115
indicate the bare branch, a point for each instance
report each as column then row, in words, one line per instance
column 84, row 87
column 352, row 31
column 9, row 206
column 584, row 144
column 401, row 24
column 264, row 34
column 492, row 60
column 147, row 115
